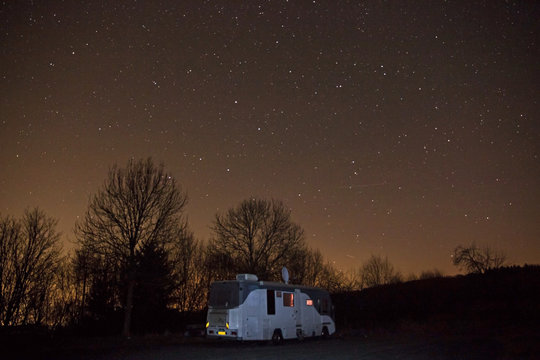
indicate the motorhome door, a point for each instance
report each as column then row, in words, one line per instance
column 298, row 313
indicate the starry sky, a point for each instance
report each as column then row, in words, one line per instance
column 399, row 128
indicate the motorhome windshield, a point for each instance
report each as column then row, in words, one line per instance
column 224, row 295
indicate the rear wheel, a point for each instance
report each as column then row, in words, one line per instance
column 277, row 337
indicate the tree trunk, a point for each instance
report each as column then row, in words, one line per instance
column 81, row 312
column 126, row 332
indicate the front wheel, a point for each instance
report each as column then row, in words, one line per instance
column 325, row 334
column 277, row 337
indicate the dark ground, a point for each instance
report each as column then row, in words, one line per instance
column 409, row 342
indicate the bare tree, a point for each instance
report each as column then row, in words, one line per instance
column 478, row 260
column 307, row 268
column 378, row 271
column 138, row 206
column 352, row 280
column 258, row 236
column 431, row 274
column 10, row 237
column 61, row 298
column 190, row 274
column 29, row 256
column 81, row 267
column 412, row 277
column 98, row 289
column 335, row 280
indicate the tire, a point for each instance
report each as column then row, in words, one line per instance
column 277, row 337
column 325, row 333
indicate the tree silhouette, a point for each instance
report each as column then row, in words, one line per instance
column 153, row 289
column 430, row 274
column 308, row 267
column 61, row 302
column 138, row 206
column 98, row 279
column 192, row 278
column 378, row 271
column 478, row 260
column 258, row 236
column 29, row 256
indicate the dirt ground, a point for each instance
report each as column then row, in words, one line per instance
column 397, row 345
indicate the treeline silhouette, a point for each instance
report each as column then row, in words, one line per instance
column 137, row 268
column 496, row 298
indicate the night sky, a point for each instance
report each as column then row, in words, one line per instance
column 399, row 128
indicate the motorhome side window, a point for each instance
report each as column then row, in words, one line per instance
column 324, row 308
column 270, row 302
column 288, row 299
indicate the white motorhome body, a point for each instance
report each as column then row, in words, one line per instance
column 248, row 309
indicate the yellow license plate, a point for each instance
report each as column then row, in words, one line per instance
column 221, row 333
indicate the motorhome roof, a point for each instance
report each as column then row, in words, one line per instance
column 274, row 285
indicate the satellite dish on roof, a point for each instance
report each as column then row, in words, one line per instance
column 285, row 275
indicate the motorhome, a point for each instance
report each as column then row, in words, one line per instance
column 249, row 309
